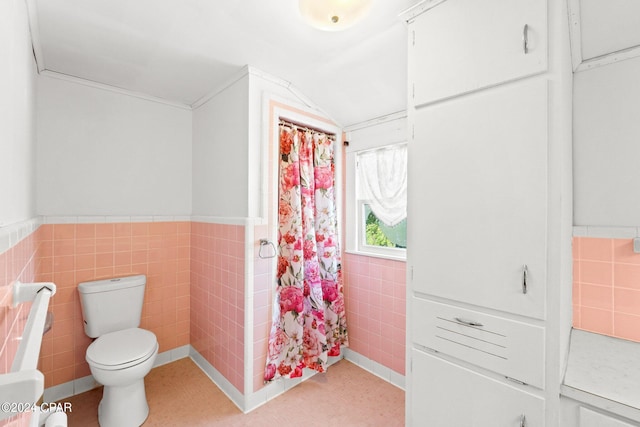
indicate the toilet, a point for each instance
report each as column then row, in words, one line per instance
column 122, row 354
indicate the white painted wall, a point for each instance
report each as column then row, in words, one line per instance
column 608, row 26
column 220, row 150
column 106, row 153
column 263, row 89
column 606, row 150
column 230, row 142
column 17, row 115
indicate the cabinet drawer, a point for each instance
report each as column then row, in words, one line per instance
column 504, row 346
column 444, row 394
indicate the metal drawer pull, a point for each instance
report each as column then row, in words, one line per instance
column 523, row 421
column 468, row 322
column 525, row 38
column 525, row 273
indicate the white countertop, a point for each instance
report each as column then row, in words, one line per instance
column 604, row 372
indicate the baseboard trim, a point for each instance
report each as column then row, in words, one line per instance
column 250, row 401
column 377, row 369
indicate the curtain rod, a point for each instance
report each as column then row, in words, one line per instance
column 298, row 126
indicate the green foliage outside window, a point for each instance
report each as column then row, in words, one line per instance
column 380, row 234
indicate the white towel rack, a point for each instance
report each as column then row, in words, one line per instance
column 24, row 383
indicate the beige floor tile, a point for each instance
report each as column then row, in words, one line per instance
column 180, row 394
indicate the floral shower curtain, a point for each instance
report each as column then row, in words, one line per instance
column 309, row 316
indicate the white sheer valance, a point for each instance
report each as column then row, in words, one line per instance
column 382, row 182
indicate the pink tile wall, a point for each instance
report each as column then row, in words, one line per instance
column 263, row 286
column 606, row 287
column 74, row 253
column 17, row 263
column 217, row 297
column 375, row 299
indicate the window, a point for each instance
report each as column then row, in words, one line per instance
column 380, row 200
column 375, row 187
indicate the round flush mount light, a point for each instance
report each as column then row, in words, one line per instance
column 333, row 15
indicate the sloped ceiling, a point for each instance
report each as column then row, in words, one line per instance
column 181, row 50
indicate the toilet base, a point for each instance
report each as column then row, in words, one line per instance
column 123, row 406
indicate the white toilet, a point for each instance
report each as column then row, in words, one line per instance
column 122, row 354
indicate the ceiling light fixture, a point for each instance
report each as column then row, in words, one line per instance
column 333, row 15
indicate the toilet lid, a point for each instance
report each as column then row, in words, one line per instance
column 121, row 349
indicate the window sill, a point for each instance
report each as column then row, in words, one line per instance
column 377, row 255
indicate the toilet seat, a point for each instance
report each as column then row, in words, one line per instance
column 122, row 349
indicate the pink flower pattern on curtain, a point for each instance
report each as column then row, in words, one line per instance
column 309, row 321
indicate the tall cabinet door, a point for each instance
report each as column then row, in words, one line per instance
column 478, row 199
column 465, row 45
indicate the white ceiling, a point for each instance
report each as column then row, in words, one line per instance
column 181, row 50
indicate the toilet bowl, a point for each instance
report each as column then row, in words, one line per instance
column 120, row 360
column 122, row 353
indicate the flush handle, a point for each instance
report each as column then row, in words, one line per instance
column 525, row 274
column 523, row 421
column 525, row 39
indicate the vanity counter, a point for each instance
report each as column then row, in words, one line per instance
column 604, row 372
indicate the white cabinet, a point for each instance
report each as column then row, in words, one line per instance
column 447, row 395
column 489, row 211
column 478, row 184
column 464, row 45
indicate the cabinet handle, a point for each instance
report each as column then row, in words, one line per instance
column 525, row 38
column 523, row 421
column 525, row 273
column 468, row 322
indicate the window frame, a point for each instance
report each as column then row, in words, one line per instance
column 391, row 131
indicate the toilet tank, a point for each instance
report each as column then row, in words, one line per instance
column 112, row 304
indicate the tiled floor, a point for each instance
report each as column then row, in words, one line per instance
column 180, row 394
